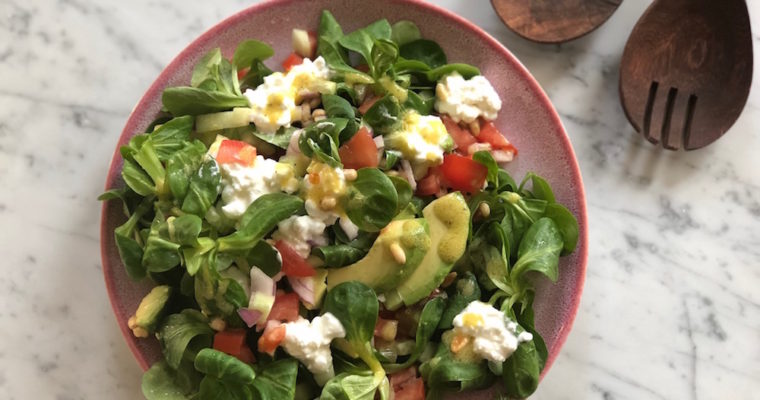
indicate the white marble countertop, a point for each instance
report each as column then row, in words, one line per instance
column 671, row 308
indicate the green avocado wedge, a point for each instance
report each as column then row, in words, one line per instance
column 449, row 221
column 379, row 269
column 150, row 311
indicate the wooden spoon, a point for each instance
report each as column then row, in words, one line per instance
column 554, row 21
column 686, row 71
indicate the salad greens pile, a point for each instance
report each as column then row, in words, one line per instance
column 218, row 329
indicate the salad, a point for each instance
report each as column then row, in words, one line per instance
column 340, row 229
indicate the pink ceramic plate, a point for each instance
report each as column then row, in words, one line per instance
column 527, row 118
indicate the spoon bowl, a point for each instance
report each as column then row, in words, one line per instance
column 686, row 71
column 554, row 21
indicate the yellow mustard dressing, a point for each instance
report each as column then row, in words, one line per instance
column 325, row 182
column 473, row 320
column 274, row 107
column 455, row 215
column 419, row 242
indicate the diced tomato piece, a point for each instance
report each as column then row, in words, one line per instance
column 463, row 173
column 229, row 341
column 430, row 184
column 241, row 73
column 292, row 263
column 360, row 151
column 237, row 152
column 292, row 60
column 285, row 308
column 407, row 386
column 413, row 390
column 271, row 338
column 463, row 138
column 246, row 355
column 368, row 103
column 400, row 378
column 489, row 134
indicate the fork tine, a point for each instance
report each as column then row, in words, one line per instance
column 647, row 131
column 659, row 112
column 691, row 107
column 681, row 114
column 668, row 142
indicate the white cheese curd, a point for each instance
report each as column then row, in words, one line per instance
column 422, row 139
column 242, row 184
column 349, row 228
column 466, row 100
column 300, row 232
column 327, row 217
column 270, row 103
column 274, row 103
column 309, row 342
column 310, row 75
column 494, row 336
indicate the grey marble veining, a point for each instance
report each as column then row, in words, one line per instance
column 671, row 308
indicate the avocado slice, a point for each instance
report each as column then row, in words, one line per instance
column 449, row 220
column 150, row 311
column 379, row 269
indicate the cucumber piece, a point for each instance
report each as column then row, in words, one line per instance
column 236, row 118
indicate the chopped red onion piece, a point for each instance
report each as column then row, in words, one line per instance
column 250, row 317
column 303, row 287
column 408, row 174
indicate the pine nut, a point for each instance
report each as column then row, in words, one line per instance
column 484, row 210
column 350, row 174
column 398, row 253
column 318, row 114
column 328, row 203
column 306, row 95
column 315, row 102
column 475, row 127
column 305, row 112
column 217, row 324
